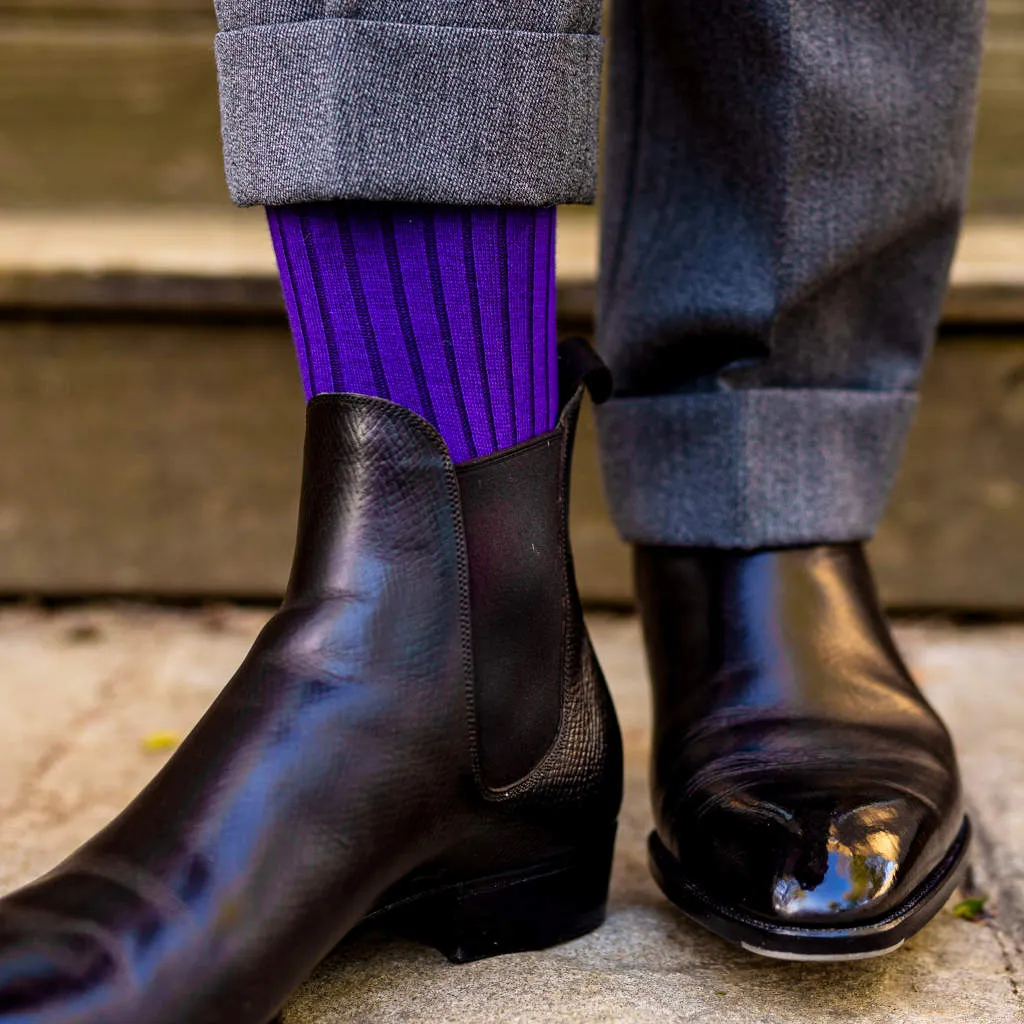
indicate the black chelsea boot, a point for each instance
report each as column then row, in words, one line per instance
column 421, row 738
column 806, row 796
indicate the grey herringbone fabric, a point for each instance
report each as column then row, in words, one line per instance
column 753, row 467
column 448, row 101
column 784, row 182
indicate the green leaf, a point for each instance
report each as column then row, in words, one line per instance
column 972, row 909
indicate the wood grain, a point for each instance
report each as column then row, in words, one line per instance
column 108, row 117
column 142, row 458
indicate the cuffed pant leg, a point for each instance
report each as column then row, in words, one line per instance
column 784, row 181
column 754, row 467
column 469, row 102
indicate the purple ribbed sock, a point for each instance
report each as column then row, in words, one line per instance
column 449, row 311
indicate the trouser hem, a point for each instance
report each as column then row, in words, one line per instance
column 752, row 468
column 349, row 109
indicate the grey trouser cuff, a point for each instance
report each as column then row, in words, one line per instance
column 752, row 468
column 350, row 109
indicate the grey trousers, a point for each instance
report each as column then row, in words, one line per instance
column 783, row 186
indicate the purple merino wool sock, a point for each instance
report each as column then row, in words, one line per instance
column 449, row 311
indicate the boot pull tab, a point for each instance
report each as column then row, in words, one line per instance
column 579, row 365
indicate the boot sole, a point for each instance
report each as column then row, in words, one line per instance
column 523, row 910
column 791, row 942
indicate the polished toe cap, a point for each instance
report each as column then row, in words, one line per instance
column 813, row 862
column 847, row 864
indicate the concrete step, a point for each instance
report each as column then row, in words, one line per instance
column 83, row 689
column 113, row 101
column 151, row 420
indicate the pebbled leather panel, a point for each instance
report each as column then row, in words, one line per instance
column 377, row 480
column 798, row 771
column 511, row 506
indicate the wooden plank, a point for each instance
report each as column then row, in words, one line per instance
column 954, row 534
column 195, row 260
column 109, row 117
column 64, row 14
column 162, row 459
column 143, row 124
column 220, row 261
column 84, row 8
column 999, row 146
column 147, row 459
column 987, row 281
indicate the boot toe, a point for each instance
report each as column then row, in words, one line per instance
column 848, row 867
column 810, row 862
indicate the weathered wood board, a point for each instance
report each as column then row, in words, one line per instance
column 114, row 116
column 161, row 458
column 164, row 459
column 114, row 101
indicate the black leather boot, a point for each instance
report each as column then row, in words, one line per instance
column 420, row 738
column 806, row 797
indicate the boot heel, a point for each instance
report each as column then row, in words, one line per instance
column 516, row 912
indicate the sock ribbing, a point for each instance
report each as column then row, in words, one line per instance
column 448, row 311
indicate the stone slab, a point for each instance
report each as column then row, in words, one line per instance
column 84, row 687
